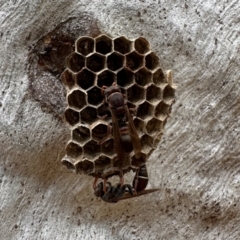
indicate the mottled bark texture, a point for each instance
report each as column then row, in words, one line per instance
column 196, row 165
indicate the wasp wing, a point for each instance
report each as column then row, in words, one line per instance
column 144, row 192
column 137, row 147
column 117, row 138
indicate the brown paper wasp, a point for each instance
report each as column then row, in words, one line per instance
column 126, row 140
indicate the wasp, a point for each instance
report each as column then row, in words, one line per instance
column 126, row 140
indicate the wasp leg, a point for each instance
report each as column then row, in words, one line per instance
column 135, row 181
column 104, row 185
column 95, row 182
column 98, row 192
column 121, row 178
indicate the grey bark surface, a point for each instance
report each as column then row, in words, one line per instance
column 196, row 164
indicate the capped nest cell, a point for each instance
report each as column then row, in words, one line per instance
column 99, row 62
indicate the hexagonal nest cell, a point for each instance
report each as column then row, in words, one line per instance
column 130, row 64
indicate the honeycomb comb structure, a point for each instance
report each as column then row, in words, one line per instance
column 101, row 61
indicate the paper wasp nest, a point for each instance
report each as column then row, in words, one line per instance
column 99, row 62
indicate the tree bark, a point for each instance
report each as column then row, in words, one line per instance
column 196, row 164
